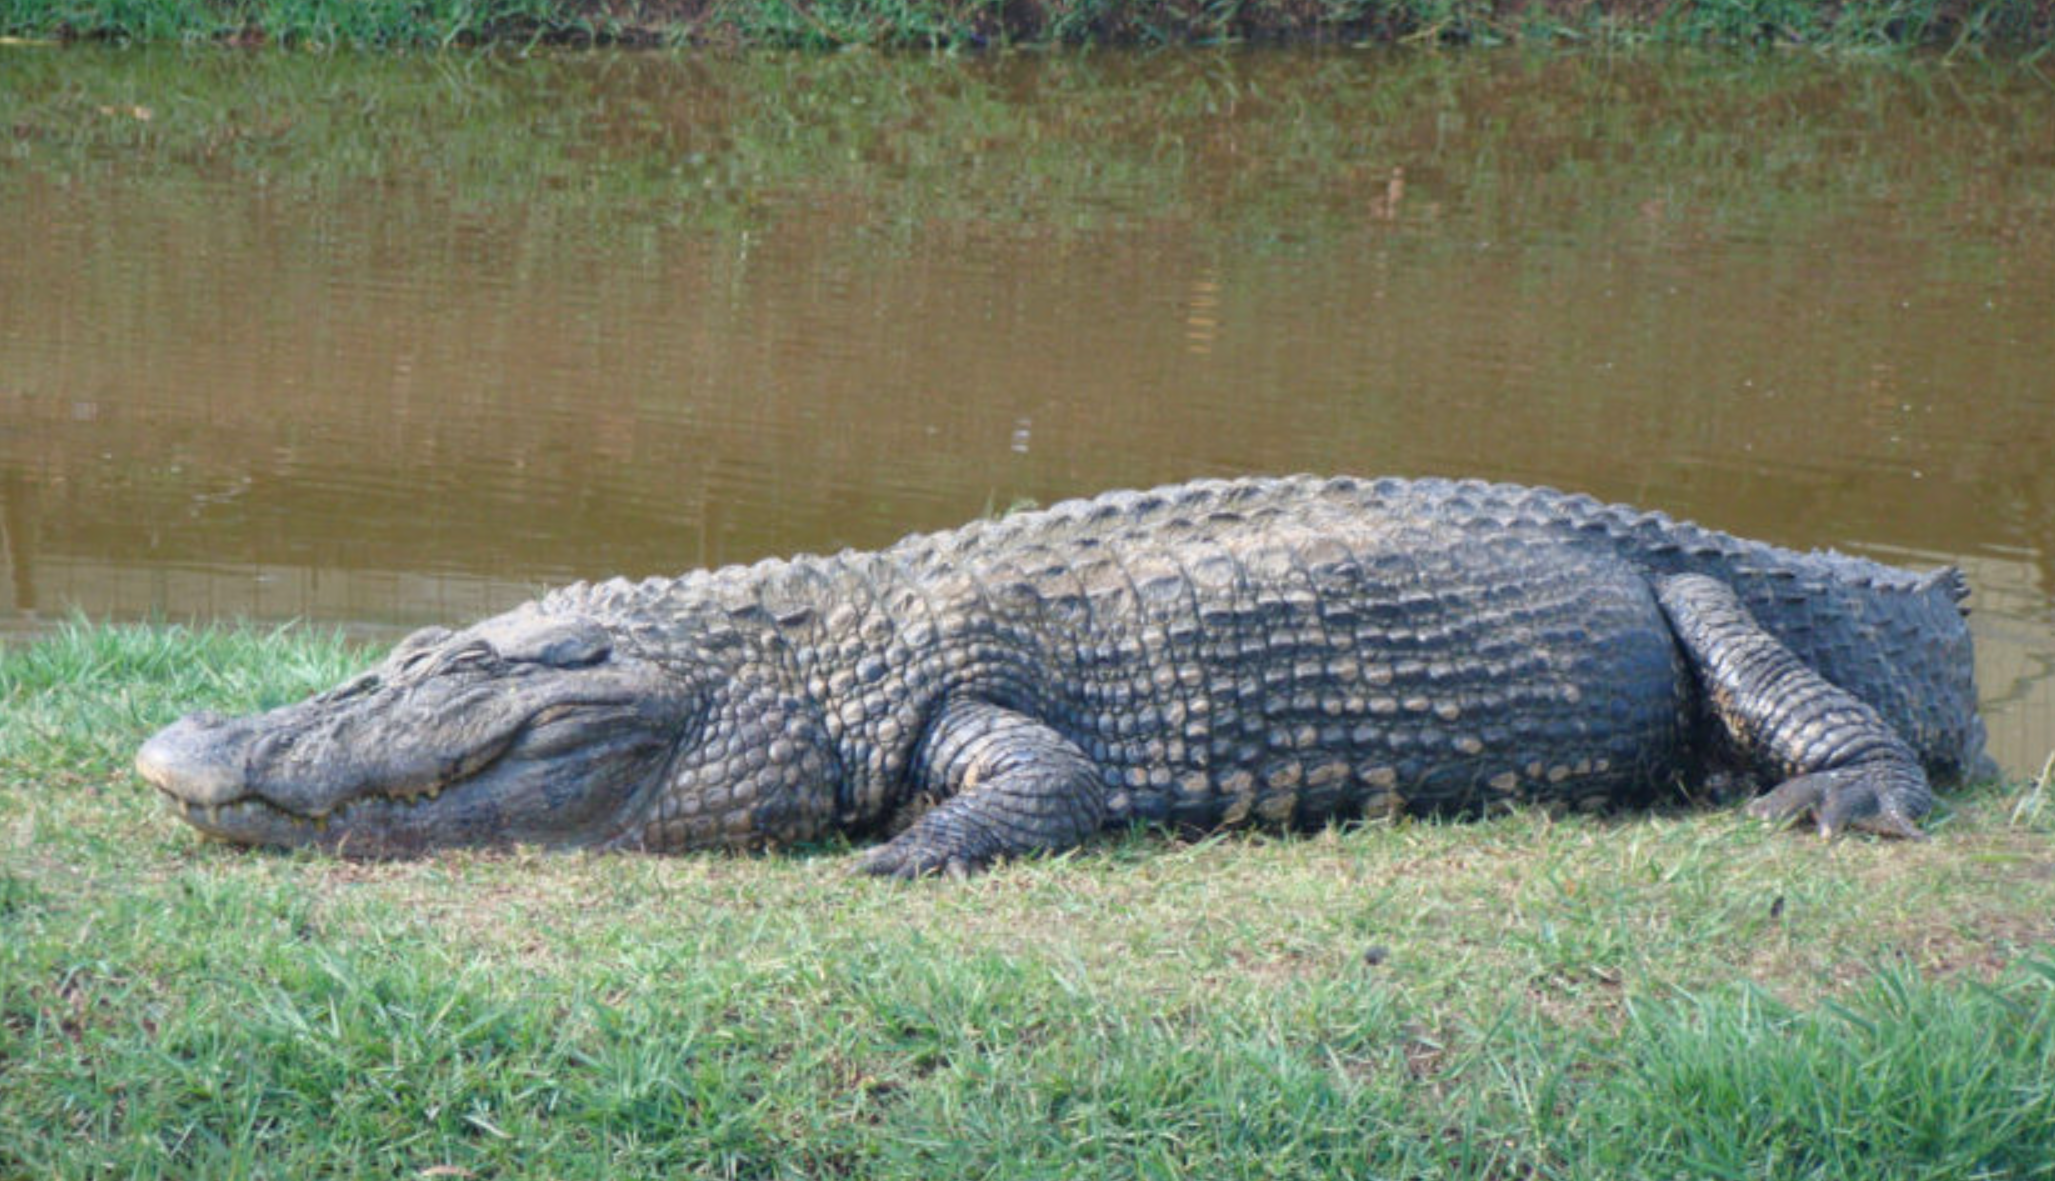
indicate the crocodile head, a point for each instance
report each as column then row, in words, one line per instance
column 525, row 728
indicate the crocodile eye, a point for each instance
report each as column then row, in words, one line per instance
column 470, row 654
column 409, row 653
column 420, row 641
column 476, row 654
column 356, row 686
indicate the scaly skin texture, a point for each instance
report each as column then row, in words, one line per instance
column 1282, row 651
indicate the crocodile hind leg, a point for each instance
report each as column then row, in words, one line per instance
column 1008, row 784
column 1829, row 753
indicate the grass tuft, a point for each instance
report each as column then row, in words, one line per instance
column 1900, row 1071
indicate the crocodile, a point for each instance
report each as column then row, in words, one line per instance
column 1291, row 652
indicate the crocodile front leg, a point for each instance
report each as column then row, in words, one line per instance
column 1008, row 784
column 1831, row 754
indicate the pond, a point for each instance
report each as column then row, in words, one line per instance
column 380, row 341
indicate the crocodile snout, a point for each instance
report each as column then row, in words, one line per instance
column 192, row 760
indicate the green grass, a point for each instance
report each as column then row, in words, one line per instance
column 606, row 146
column 320, row 23
column 1641, row 996
column 982, row 23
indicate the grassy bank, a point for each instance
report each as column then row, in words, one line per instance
column 606, row 146
column 1641, row 996
column 982, row 23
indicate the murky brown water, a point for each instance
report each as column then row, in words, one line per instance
column 386, row 342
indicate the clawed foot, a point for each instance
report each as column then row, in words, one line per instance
column 906, row 860
column 1871, row 798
